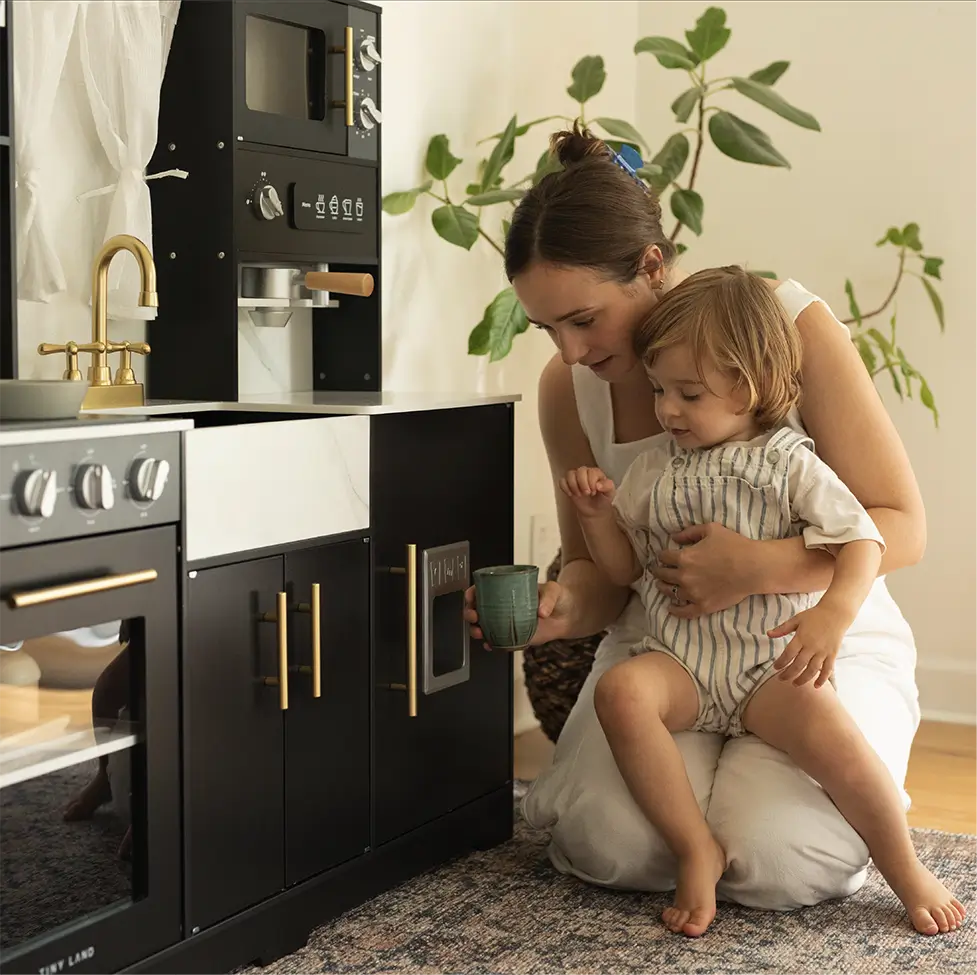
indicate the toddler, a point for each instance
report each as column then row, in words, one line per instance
column 723, row 358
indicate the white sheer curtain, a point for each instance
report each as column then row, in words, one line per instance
column 123, row 47
column 42, row 31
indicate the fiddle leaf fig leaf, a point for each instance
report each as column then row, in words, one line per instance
column 403, row 201
column 669, row 54
column 456, row 225
column 765, row 95
column 440, row 162
column 683, row 105
column 623, row 130
column 503, row 320
column 937, row 302
column 588, row 78
column 709, row 35
column 687, row 208
column 501, row 154
column 771, row 73
column 744, row 142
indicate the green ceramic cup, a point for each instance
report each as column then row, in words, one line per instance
column 507, row 600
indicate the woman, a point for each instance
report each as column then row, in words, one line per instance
column 587, row 258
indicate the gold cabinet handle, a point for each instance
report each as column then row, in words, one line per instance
column 281, row 681
column 412, row 630
column 316, row 669
column 411, row 572
column 347, row 51
column 316, row 643
column 54, row 594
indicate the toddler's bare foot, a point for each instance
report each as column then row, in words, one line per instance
column 695, row 891
column 931, row 907
column 95, row 794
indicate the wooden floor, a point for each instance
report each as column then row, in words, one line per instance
column 942, row 779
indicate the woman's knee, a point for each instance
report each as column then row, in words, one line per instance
column 786, row 844
column 607, row 841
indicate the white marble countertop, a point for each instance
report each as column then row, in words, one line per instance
column 323, row 402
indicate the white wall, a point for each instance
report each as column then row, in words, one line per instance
column 893, row 88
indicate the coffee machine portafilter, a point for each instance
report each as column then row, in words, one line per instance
column 270, row 293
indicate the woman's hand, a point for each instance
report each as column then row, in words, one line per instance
column 714, row 571
column 553, row 612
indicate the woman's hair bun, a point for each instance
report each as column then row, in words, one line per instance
column 573, row 145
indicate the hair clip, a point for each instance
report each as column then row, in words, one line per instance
column 621, row 159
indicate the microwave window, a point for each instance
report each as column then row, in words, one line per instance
column 285, row 69
column 71, row 767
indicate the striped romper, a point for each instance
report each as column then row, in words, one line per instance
column 772, row 487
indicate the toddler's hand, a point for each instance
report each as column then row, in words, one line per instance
column 590, row 490
column 811, row 653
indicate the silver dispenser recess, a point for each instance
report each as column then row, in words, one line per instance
column 269, row 293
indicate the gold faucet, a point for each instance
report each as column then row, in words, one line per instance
column 103, row 393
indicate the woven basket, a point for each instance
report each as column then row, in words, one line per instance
column 556, row 671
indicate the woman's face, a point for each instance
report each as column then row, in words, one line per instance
column 590, row 320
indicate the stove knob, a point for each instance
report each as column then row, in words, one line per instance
column 94, row 489
column 266, row 202
column 369, row 115
column 369, row 55
column 36, row 493
column 148, row 478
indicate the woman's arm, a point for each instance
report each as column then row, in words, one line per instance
column 855, row 436
column 592, row 601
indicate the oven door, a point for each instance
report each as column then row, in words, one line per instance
column 291, row 74
column 89, row 752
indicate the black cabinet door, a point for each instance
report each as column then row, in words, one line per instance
column 438, row 479
column 233, row 740
column 327, row 738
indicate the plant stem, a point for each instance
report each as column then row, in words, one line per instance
column 440, row 199
column 481, row 233
column 888, row 301
column 695, row 159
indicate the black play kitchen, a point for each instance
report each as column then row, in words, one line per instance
column 238, row 694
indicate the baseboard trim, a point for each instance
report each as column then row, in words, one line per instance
column 947, row 690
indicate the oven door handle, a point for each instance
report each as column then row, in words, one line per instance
column 54, row 594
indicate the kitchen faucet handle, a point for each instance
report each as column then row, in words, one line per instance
column 124, row 375
column 71, row 350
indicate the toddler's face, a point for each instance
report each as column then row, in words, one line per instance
column 698, row 410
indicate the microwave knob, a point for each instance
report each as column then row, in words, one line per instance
column 94, row 488
column 148, row 478
column 266, row 202
column 370, row 115
column 36, row 493
column 369, row 55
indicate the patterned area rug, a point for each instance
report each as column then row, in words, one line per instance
column 508, row 911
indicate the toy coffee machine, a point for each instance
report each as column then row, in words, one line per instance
column 272, row 108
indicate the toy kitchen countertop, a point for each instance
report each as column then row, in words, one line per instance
column 322, row 403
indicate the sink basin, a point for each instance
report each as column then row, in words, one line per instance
column 41, row 399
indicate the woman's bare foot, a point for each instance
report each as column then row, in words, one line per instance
column 931, row 907
column 695, row 892
column 95, row 794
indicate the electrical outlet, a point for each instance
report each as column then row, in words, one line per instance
column 544, row 540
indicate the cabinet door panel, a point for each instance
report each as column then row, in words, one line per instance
column 327, row 739
column 233, row 736
column 439, row 478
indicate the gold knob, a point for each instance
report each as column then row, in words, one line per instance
column 71, row 350
column 124, row 376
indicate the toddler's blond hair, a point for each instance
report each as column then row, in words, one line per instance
column 734, row 320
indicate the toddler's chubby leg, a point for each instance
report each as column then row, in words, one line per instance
column 639, row 703
column 812, row 726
